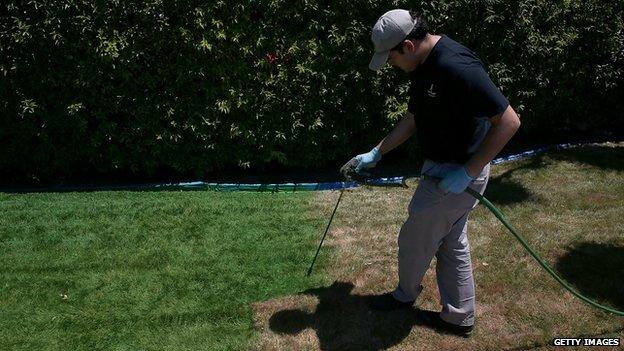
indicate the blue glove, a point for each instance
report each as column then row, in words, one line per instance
column 368, row 160
column 455, row 181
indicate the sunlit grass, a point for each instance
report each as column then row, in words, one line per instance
column 147, row 270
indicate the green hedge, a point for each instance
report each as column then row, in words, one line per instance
column 189, row 87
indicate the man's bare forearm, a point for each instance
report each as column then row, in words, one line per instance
column 502, row 130
column 401, row 132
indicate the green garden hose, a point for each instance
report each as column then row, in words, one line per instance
column 542, row 263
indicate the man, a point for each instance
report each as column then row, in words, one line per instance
column 462, row 121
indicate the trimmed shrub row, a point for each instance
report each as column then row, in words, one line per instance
column 189, row 87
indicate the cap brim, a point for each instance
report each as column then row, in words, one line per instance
column 379, row 60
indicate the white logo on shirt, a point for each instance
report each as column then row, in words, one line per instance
column 431, row 92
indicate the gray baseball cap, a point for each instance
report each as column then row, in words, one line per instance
column 391, row 29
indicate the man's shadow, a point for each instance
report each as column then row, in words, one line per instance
column 343, row 321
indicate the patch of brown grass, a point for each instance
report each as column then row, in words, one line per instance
column 519, row 306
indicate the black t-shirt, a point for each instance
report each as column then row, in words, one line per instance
column 449, row 93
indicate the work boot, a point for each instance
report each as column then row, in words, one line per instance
column 433, row 320
column 387, row 302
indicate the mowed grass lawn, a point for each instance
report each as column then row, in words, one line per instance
column 211, row 271
column 148, row 270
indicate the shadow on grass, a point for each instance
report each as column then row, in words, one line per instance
column 502, row 190
column 343, row 321
column 597, row 271
column 603, row 157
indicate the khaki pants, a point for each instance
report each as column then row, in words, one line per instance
column 437, row 224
